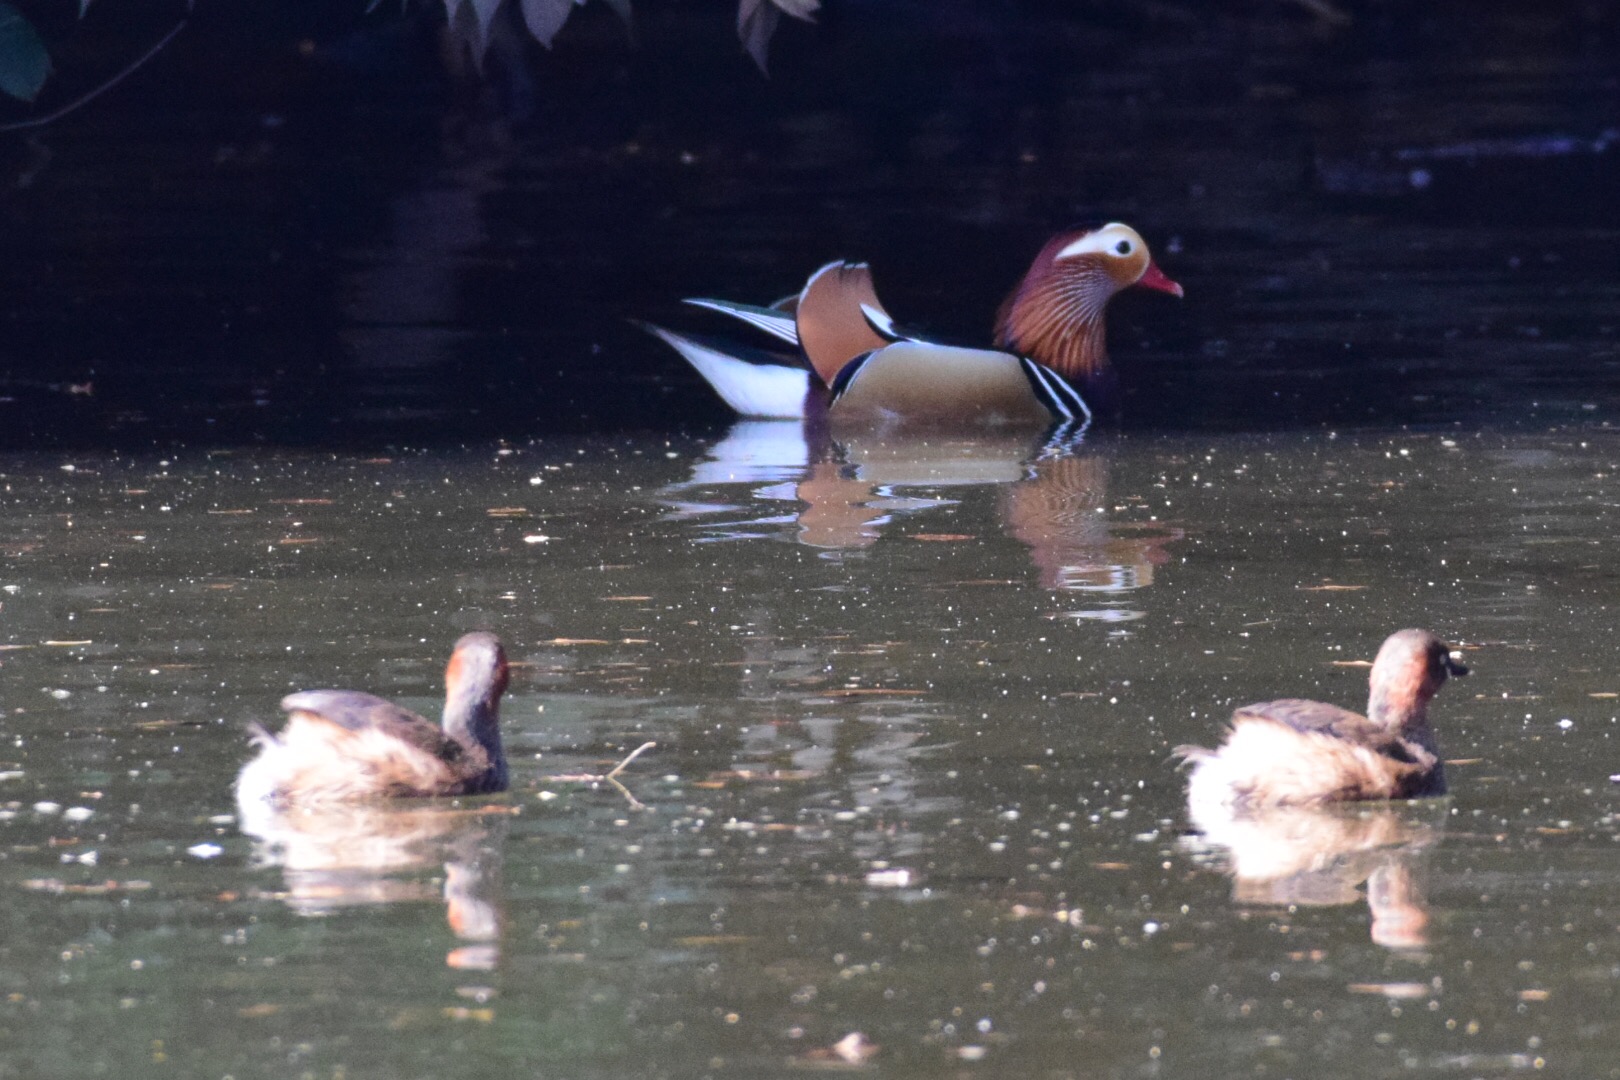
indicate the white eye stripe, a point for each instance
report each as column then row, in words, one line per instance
column 1092, row 244
column 1105, row 241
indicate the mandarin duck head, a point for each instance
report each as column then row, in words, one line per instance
column 1055, row 315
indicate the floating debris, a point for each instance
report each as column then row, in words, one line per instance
column 897, row 878
column 610, row 777
column 1404, row 991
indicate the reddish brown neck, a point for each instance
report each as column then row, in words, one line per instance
column 472, row 717
column 1055, row 317
column 1402, row 705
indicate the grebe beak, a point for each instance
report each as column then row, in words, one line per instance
column 1454, row 664
column 1153, row 278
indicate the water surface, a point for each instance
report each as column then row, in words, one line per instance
column 914, row 703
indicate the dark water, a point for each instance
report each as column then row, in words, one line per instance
column 315, row 355
column 298, row 227
column 912, row 780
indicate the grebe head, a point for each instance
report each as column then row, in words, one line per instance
column 474, row 681
column 477, row 667
column 1409, row 670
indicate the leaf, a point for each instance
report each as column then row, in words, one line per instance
column 622, row 9
column 485, row 10
column 468, row 27
column 24, row 64
column 799, row 9
column 757, row 20
column 545, row 18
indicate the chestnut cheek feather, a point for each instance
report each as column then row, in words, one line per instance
column 1407, row 691
column 455, row 670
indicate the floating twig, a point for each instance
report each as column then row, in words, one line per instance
column 610, row 777
column 637, row 752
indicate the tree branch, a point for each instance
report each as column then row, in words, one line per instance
column 41, row 121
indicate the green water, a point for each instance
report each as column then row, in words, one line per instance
column 913, row 705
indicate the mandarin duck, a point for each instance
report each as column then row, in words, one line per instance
column 1050, row 347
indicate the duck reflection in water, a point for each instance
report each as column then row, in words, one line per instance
column 1321, row 856
column 1268, row 794
column 1059, row 511
column 849, row 490
column 323, row 797
column 342, row 855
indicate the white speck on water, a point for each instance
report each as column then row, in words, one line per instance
column 205, row 851
column 77, row 813
column 45, row 807
column 889, row 879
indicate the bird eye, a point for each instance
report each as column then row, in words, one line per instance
column 1123, row 247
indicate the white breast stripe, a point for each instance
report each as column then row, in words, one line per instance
column 1055, row 392
column 846, row 376
column 1043, row 391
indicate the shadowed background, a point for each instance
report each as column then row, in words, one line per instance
column 304, row 224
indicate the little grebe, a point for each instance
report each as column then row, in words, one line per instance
column 343, row 744
column 1289, row 752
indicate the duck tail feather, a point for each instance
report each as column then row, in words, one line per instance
column 774, row 391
